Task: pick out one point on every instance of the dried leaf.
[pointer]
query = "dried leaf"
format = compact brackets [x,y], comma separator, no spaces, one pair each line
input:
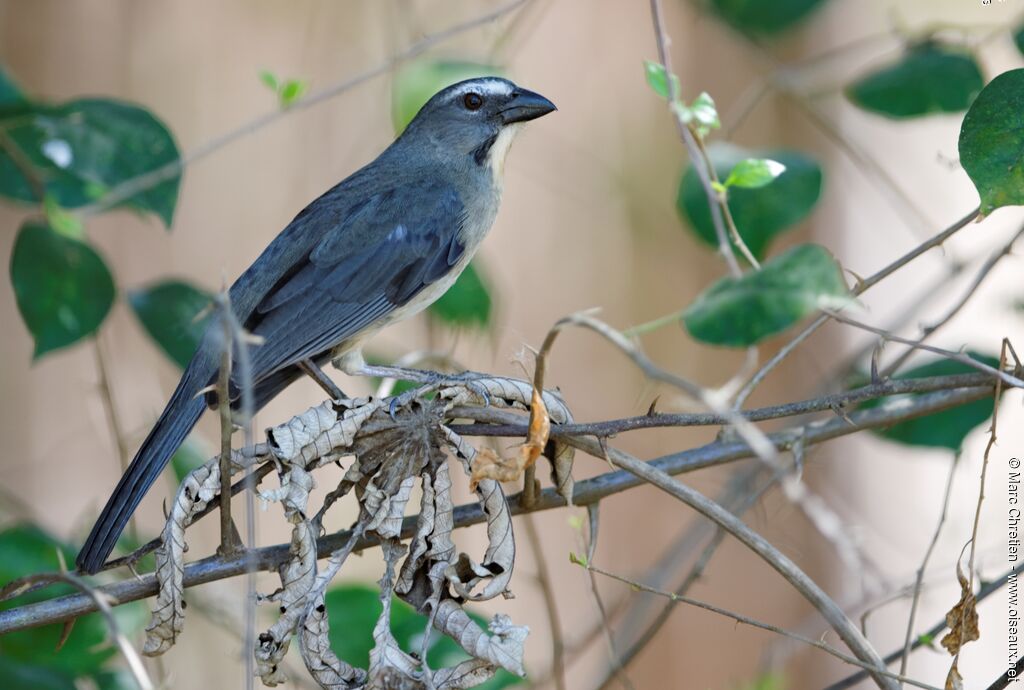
[468,674]
[962,619]
[489,465]
[319,431]
[323,664]
[506,392]
[520,395]
[432,542]
[298,578]
[503,647]
[200,487]
[954,681]
[386,657]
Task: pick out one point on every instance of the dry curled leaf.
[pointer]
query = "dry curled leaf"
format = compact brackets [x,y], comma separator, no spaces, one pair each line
[502,647]
[495,571]
[488,465]
[323,664]
[298,576]
[962,619]
[954,681]
[520,395]
[168,619]
[320,431]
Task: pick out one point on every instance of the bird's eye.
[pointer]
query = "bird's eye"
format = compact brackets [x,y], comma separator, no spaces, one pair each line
[472,101]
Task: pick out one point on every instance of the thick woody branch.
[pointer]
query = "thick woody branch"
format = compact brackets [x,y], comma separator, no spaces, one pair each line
[588,491]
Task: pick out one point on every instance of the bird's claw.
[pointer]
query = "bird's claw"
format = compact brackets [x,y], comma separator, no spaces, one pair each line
[402,399]
[468,379]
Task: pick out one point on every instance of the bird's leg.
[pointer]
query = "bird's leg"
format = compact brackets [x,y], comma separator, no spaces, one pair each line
[311,369]
[353,364]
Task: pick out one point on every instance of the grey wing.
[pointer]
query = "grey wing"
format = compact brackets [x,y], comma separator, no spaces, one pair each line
[379,258]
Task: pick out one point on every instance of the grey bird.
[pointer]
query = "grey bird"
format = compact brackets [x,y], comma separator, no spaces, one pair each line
[380,246]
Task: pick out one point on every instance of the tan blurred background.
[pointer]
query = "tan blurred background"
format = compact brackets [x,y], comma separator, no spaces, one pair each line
[588,220]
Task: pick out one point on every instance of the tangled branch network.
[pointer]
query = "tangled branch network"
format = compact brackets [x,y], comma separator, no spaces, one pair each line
[389,455]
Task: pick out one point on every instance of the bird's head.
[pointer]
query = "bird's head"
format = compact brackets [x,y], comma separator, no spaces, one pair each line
[477,118]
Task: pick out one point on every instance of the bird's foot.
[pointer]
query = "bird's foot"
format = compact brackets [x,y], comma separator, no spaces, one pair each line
[432,381]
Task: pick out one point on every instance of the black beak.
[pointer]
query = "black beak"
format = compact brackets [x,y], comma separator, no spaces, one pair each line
[524,106]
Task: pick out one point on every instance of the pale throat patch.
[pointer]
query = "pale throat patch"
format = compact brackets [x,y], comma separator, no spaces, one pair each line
[496,156]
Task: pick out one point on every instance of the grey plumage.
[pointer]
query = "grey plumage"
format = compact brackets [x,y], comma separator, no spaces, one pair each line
[379,246]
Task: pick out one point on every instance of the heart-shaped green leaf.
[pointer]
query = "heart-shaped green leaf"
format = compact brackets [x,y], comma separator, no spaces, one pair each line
[81,149]
[761,17]
[168,311]
[29,659]
[928,78]
[992,142]
[739,312]
[467,303]
[762,213]
[945,429]
[63,288]
[415,83]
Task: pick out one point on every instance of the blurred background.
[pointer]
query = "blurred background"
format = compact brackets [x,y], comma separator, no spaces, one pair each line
[589,219]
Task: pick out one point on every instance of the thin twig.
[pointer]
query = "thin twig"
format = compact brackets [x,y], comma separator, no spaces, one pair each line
[979,278]
[749,497]
[617,667]
[836,402]
[924,638]
[862,287]
[103,604]
[113,419]
[829,610]
[699,160]
[1001,376]
[588,491]
[746,620]
[919,579]
[547,589]
[228,540]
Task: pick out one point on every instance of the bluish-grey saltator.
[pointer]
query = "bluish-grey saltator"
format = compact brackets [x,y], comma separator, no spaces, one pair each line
[378,247]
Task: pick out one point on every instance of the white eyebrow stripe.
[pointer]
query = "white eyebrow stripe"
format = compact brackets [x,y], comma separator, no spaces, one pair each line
[488,87]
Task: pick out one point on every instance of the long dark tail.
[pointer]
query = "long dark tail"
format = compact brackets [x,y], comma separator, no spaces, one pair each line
[181,414]
[176,421]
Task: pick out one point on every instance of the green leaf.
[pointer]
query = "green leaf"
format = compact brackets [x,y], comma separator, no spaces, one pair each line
[761,213]
[12,100]
[467,303]
[353,610]
[655,74]
[29,658]
[761,17]
[945,429]
[190,455]
[168,311]
[418,81]
[81,149]
[1018,38]
[739,312]
[63,288]
[754,172]
[269,80]
[928,78]
[292,91]
[992,142]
